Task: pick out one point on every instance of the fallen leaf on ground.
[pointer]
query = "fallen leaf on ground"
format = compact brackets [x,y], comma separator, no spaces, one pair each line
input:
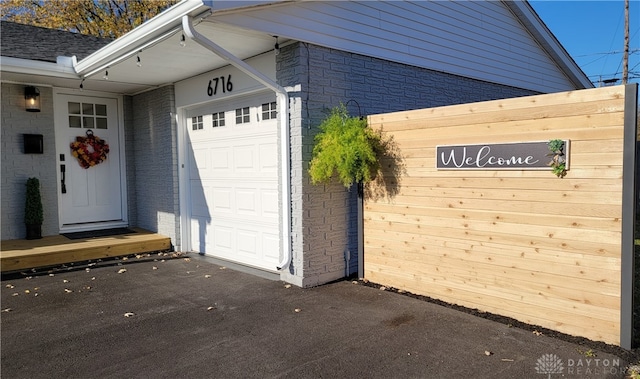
[382,288]
[87,269]
[122,270]
[65,281]
[52,274]
[154,268]
[129,314]
[67,290]
[210,308]
[537,333]
[287,286]
[401,291]
[297,310]
[93,278]
[125,258]
[487,352]
[187,259]
[15,294]
[10,286]
[354,282]
[207,276]
[27,291]
[506,360]
[6,310]
[223,268]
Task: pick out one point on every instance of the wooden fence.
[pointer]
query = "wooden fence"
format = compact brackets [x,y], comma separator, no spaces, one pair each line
[520,243]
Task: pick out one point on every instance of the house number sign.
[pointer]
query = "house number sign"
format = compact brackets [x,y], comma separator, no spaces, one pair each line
[505,156]
[221,84]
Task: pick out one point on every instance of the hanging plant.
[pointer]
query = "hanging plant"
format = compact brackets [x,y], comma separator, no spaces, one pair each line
[558,161]
[345,148]
[90,150]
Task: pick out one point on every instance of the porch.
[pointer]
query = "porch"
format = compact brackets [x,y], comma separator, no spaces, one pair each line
[55,250]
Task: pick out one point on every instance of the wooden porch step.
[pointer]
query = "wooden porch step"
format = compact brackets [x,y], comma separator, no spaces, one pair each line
[54,250]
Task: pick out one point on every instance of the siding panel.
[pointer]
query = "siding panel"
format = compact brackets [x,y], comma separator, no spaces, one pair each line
[480,40]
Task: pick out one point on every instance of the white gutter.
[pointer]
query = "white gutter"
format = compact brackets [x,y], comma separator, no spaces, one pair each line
[162,25]
[283,111]
[31,67]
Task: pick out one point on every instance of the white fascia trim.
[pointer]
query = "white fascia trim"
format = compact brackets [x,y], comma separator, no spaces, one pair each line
[532,22]
[166,21]
[31,67]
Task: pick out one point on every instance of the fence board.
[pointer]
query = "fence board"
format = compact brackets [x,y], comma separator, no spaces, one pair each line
[520,243]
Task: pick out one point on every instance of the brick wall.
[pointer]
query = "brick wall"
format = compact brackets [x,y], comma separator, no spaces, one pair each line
[17,167]
[324,218]
[155,162]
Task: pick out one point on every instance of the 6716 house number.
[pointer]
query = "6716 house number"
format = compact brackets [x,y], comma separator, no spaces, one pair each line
[222,83]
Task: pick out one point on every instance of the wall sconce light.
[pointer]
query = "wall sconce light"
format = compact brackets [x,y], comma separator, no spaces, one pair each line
[32,99]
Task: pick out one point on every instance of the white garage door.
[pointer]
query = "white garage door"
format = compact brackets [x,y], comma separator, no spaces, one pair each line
[233,181]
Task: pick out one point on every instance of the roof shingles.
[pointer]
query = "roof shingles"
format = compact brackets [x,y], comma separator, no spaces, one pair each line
[42,44]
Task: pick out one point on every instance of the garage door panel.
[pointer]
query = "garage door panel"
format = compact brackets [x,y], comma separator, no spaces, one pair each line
[247,243]
[234,178]
[270,244]
[243,158]
[221,200]
[198,201]
[198,163]
[246,201]
[223,236]
[269,203]
[268,154]
[220,159]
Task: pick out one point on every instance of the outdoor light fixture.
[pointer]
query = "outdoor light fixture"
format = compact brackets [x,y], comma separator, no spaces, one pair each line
[183,41]
[138,62]
[82,84]
[276,47]
[106,75]
[32,99]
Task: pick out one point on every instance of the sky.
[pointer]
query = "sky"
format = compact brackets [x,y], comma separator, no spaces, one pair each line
[593,34]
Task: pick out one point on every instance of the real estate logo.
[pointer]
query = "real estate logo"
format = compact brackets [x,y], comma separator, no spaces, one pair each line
[549,364]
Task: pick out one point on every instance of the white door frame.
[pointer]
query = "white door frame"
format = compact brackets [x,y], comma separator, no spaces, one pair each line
[123,173]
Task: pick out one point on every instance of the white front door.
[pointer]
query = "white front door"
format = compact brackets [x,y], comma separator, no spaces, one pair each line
[89,191]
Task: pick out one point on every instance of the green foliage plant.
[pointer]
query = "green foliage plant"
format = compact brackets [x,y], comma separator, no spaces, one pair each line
[33,214]
[345,148]
[558,162]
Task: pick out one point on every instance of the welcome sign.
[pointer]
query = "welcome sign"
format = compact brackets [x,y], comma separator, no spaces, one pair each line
[504,156]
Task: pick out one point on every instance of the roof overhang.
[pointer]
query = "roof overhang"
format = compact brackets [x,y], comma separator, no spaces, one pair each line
[152,54]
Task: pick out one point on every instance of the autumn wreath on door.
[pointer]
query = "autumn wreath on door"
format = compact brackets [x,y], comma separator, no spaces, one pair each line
[90,150]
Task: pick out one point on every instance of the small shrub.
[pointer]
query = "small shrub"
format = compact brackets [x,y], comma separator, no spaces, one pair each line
[33,214]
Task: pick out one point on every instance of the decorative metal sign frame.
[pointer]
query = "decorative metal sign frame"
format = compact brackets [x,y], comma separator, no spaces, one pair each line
[500,156]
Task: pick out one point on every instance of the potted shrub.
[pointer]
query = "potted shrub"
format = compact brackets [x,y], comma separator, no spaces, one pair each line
[345,148]
[33,214]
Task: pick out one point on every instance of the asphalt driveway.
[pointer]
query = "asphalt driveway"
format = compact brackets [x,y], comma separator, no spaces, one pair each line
[189,318]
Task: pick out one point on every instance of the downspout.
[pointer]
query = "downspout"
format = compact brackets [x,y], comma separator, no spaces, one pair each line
[283,111]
